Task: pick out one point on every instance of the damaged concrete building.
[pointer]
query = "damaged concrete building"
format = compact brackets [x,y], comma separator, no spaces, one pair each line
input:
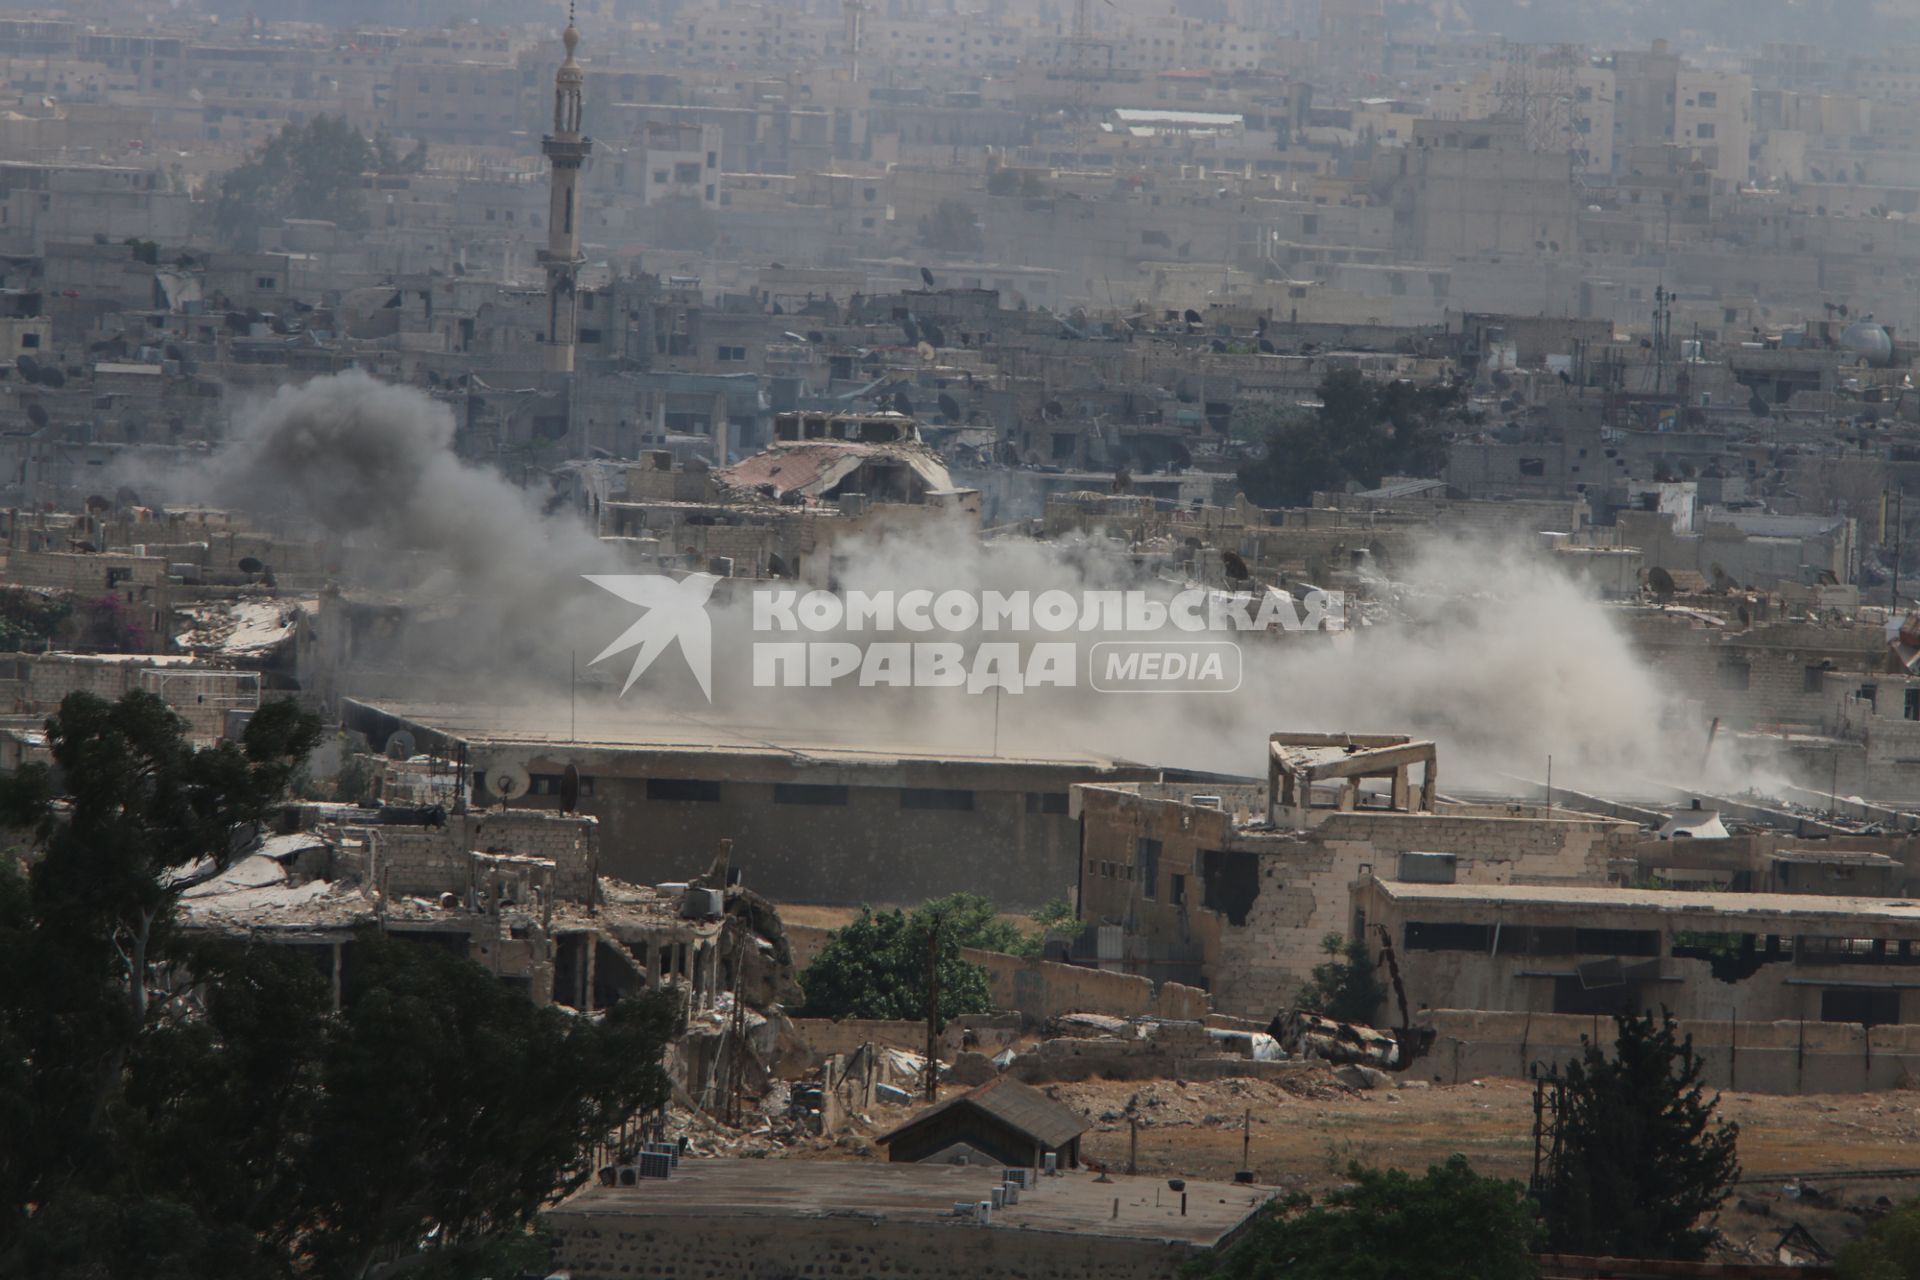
[522,895]
[1232,887]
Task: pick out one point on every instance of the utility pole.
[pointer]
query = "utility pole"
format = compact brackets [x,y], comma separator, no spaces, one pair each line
[1893,589]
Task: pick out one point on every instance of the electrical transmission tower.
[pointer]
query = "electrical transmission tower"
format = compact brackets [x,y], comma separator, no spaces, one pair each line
[1538,88]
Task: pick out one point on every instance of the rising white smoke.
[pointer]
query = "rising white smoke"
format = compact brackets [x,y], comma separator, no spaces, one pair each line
[1493,652]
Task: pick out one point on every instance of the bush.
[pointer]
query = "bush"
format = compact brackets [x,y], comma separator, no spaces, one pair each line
[1345,987]
[1451,1224]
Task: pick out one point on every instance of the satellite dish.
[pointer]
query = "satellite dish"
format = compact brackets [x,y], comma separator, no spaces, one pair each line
[926,351]
[1191,316]
[249,565]
[37,414]
[400,745]
[1219,347]
[902,404]
[1660,582]
[926,277]
[1266,348]
[949,406]
[570,789]
[1235,566]
[98,502]
[508,781]
[29,368]
[910,329]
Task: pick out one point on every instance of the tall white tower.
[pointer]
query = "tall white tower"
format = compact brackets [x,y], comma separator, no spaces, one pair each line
[566,150]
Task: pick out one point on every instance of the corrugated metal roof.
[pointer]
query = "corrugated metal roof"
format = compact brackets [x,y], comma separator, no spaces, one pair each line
[814,468]
[1018,1106]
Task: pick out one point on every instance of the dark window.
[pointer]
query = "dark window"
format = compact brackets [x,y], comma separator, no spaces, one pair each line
[1813,680]
[1868,1007]
[1533,466]
[1177,890]
[1051,802]
[682,789]
[1616,942]
[936,798]
[1146,859]
[1870,695]
[1422,936]
[1913,704]
[550,784]
[1229,882]
[589,336]
[808,793]
[1571,995]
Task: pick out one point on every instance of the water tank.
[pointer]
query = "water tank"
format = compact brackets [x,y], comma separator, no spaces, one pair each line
[1870,342]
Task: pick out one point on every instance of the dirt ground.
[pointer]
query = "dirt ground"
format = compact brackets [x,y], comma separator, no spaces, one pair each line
[1301,1134]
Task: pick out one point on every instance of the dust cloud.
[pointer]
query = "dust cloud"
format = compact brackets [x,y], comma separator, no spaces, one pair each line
[1486,647]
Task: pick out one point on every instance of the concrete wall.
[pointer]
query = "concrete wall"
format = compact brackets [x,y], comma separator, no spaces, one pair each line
[426,862]
[1253,952]
[1758,1057]
[607,1246]
[1042,989]
[869,849]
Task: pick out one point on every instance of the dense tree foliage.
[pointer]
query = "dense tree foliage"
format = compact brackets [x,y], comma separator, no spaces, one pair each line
[237,1125]
[312,170]
[30,619]
[876,967]
[1361,431]
[1641,1157]
[1890,1250]
[1451,1224]
[1346,987]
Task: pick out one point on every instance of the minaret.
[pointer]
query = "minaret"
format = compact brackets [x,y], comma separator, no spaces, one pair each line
[566,149]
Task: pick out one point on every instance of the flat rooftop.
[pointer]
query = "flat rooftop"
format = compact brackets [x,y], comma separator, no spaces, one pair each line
[853,739]
[1074,1202]
[1668,901]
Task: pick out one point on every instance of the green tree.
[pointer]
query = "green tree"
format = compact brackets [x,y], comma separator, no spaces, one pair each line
[951,228]
[876,967]
[314,170]
[236,1124]
[1346,987]
[1890,1250]
[30,619]
[1451,1224]
[1641,1157]
[1362,431]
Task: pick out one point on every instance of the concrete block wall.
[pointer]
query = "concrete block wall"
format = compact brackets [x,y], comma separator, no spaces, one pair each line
[1042,989]
[572,840]
[425,862]
[1257,968]
[1753,1057]
[82,572]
